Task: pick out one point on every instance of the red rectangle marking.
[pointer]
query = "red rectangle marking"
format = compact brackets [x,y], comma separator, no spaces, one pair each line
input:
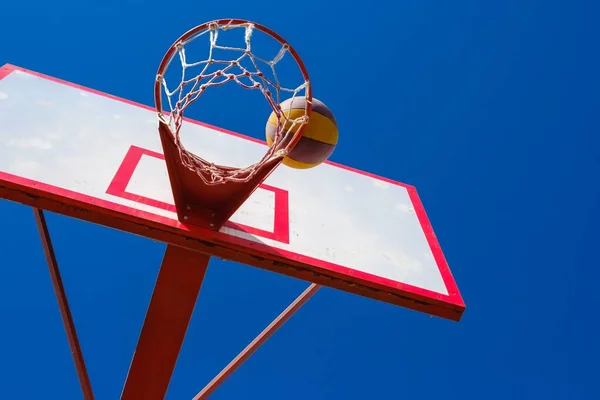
[124,174]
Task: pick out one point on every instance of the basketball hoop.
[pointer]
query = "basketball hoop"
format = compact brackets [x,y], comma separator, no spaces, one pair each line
[213,198]
[190,89]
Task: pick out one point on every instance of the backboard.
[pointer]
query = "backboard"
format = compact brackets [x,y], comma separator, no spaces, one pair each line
[74,151]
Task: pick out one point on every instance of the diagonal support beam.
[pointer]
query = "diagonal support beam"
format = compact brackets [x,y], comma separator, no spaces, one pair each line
[167,319]
[257,342]
[63,304]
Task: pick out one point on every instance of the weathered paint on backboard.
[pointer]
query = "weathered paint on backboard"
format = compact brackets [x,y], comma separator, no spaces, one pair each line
[89,155]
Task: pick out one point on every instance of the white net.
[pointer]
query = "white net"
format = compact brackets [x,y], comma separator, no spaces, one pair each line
[224,64]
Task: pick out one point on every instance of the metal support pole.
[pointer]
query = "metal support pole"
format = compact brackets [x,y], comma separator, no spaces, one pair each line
[167,319]
[257,342]
[63,305]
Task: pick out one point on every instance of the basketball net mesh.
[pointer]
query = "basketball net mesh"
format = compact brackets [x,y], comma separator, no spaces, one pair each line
[191,87]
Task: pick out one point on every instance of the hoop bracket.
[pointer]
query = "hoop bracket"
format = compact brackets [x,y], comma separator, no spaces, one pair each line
[198,203]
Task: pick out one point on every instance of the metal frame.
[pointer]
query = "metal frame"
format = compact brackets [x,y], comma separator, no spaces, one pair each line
[184,265]
[171,307]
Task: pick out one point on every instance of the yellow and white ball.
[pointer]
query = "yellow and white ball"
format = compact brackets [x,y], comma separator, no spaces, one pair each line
[318,139]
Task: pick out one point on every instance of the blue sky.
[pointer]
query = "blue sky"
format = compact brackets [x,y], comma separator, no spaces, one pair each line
[488,108]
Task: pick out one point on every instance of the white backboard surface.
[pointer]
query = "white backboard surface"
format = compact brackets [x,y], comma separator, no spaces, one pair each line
[83,147]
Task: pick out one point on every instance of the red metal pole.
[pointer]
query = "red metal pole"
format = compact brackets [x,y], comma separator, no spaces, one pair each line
[63,304]
[167,319]
[257,342]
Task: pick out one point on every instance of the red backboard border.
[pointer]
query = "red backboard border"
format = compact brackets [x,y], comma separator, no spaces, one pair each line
[76,205]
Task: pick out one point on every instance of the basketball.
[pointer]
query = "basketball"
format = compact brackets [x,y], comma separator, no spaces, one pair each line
[318,139]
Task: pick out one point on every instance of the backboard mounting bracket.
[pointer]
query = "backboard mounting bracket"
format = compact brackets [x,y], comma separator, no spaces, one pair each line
[200,204]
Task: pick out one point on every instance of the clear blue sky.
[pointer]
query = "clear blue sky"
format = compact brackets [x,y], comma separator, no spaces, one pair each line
[489,108]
